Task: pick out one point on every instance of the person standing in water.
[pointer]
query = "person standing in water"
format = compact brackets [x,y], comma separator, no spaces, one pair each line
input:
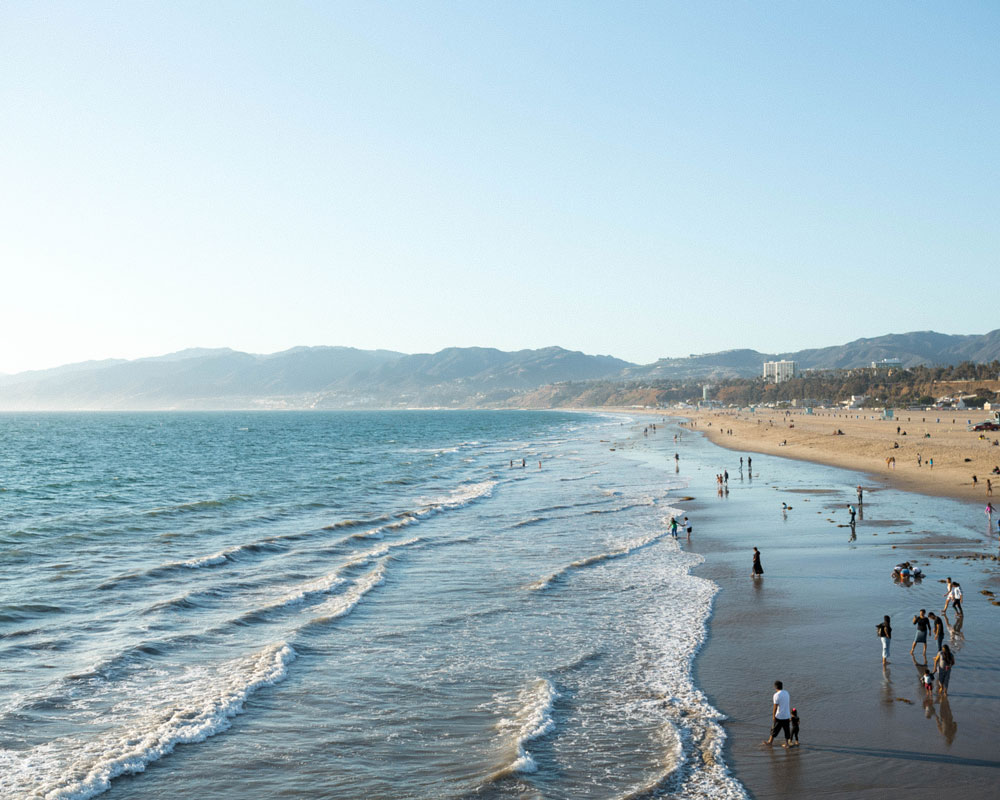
[923,625]
[781,714]
[937,629]
[884,631]
[943,662]
[758,570]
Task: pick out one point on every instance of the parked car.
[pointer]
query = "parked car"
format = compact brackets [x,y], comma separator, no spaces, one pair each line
[986,426]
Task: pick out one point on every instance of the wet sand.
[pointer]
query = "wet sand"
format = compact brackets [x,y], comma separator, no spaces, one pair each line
[810,622]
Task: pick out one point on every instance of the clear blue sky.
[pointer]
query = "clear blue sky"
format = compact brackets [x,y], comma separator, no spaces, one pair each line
[639,179]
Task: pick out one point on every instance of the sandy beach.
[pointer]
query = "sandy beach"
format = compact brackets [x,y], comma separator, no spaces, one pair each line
[868,732]
[867,441]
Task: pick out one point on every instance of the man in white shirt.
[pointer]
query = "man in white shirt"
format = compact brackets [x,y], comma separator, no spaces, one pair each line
[956,598]
[781,715]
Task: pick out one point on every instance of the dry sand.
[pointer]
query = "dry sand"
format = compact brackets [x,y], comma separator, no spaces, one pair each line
[958,453]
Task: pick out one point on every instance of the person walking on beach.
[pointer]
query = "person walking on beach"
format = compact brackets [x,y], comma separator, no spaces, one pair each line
[673,527]
[687,526]
[947,594]
[861,495]
[943,662]
[795,729]
[884,632]
[758,570]
[853,512]
[937,629]
[923,625]
[781,715]
[956,598]
[749,464]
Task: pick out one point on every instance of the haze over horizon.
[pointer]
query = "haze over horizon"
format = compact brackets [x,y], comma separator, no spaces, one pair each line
[643,182]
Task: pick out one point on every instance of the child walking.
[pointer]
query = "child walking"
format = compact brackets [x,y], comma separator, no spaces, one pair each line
[795,729]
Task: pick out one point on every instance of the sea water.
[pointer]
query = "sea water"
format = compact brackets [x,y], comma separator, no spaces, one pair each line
[347,605]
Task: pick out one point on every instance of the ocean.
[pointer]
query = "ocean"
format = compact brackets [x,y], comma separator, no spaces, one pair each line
[349,605]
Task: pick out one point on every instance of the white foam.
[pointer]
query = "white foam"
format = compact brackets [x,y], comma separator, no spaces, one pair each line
[345,603]
[694,737]
[461,495]
[532,720]
[209,560]
[456,498]
[327,583]
[589,561]
[186,708]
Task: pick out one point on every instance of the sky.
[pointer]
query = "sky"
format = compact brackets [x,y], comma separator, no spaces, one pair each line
[635,179]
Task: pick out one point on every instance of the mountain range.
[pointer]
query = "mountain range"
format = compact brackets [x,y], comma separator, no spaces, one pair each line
[344,377]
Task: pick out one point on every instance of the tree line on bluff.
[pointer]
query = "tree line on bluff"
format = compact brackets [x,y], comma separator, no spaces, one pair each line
[890,387]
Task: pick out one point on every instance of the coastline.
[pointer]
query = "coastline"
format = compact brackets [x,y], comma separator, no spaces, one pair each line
[866,443]
[870,732]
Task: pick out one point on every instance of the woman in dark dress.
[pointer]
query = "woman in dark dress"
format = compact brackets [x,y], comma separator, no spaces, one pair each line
[757,568]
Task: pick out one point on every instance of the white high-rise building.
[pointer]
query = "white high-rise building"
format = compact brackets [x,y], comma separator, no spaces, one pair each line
[780,371]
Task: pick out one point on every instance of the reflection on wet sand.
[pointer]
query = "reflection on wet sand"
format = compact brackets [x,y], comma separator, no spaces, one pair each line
[946,722]
[888,698]
[955,635]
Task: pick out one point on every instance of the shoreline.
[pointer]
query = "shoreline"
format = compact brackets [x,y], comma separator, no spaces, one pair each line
[868,729]
[867,442]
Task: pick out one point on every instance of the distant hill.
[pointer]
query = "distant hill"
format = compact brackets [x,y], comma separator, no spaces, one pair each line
[190,379]
[710,366]
[303,377]
[344,377]
[913,349]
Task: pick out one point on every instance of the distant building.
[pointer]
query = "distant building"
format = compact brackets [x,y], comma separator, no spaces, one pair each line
[780,371]
[886,363]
